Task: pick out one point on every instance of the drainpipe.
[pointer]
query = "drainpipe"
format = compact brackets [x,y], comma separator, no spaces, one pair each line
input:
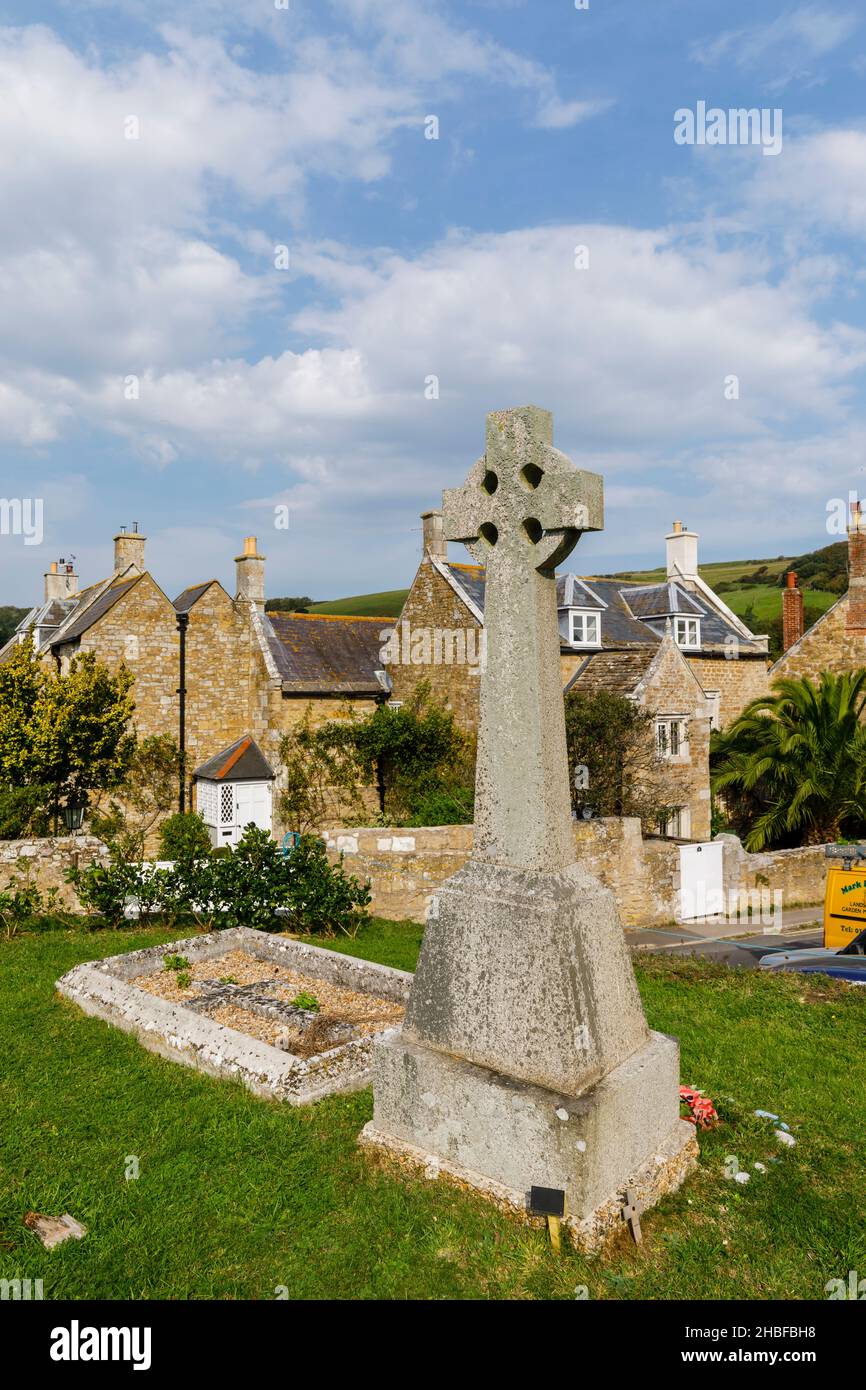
[182,625]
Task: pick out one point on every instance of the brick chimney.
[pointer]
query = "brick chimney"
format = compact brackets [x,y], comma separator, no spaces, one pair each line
[856,621]
[435,544]
[128,549]
[61,581]
[250,567]
[792,611]
[682,552]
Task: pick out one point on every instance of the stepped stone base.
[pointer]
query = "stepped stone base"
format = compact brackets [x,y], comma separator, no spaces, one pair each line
[499,1136]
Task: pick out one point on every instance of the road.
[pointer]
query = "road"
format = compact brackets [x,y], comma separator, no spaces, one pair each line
[733,944]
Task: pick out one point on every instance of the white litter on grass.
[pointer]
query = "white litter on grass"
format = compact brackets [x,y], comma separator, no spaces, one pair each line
[761,1167]
[741,1177]
[765,1115]
[785,1138]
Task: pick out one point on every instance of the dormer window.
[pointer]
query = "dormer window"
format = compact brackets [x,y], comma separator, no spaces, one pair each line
[585,629]
[687,633]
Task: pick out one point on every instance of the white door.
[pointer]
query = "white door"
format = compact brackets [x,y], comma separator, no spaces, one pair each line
[253,803]
[702,881]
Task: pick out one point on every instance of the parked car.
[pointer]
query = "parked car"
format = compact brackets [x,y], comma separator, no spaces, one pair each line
[849,963]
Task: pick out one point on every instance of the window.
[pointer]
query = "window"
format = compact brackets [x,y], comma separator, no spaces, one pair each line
[687,633]
[585,629]
[677,824]
[672,735]
[227,804]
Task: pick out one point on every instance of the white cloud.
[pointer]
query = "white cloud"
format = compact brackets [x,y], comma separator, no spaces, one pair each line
[783,46]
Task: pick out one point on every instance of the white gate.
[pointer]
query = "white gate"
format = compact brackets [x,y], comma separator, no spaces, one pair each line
[702,881]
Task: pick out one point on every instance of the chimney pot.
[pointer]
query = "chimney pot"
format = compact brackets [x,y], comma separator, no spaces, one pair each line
[682,553]
[793,624]
[856,619]
[60,582]
[435,544]
[129,549]
[250,570]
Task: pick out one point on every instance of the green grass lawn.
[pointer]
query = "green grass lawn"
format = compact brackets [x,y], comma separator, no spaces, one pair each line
[237,1196]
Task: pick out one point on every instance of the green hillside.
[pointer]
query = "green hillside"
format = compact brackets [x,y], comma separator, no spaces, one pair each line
[384,605]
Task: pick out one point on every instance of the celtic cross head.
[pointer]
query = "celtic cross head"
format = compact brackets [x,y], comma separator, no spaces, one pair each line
[523,500]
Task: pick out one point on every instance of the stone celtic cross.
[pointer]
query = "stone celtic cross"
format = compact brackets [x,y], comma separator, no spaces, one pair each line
[520,512]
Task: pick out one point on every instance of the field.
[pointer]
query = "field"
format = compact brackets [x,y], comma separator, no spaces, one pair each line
[384,605]
[240,1198]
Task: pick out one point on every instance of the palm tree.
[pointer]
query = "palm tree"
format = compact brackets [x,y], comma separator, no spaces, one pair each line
[797,758]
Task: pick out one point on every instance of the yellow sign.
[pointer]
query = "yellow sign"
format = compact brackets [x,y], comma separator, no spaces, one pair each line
[844,905]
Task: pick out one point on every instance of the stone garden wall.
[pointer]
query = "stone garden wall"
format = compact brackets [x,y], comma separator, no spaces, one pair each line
[46,861]
[406,866]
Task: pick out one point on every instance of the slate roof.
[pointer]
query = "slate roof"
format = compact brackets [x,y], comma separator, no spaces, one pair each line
[318,653]
[618,672]
[242,761]
[185,601]
[95,610]
[661,601]
[632,616]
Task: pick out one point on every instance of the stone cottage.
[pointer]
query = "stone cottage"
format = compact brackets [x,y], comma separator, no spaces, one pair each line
[672,646]
[211,669]
[837,641]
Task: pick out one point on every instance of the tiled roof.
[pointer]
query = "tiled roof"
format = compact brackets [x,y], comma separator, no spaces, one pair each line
[324,653]
[618,672]
[622,605]
[91,612]
[242,761]
[661,601]
[184,602]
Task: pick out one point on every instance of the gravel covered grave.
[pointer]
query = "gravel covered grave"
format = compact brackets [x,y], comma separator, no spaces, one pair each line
[291,1021]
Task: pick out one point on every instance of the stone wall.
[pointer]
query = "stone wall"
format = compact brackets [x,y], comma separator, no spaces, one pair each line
[45,862]
[737,680]
[827,646]
[433,606]
[406,866]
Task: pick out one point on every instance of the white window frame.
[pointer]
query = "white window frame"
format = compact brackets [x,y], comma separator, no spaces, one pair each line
[677,825]
[587,616]
[682,628]
[672,738]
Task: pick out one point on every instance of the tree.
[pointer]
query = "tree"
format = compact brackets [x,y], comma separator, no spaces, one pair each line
[417,760]
[792,766]
[82,739]
[150,787]
[613,761]
[22,682]
[288,605]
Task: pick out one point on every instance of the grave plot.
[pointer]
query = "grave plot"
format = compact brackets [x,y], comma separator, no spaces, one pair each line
[290,1021]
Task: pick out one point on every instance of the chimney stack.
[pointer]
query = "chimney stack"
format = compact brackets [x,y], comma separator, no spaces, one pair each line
[856,621]
[250,567]
[682,552]
[792,612]
[129,549]
[435,544]
[61,581]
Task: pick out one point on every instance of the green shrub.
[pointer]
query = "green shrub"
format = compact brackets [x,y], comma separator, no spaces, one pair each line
[183,837]
[243,889]
[25,811]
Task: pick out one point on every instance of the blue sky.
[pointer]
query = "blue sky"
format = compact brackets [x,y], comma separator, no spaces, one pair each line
[154,257]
